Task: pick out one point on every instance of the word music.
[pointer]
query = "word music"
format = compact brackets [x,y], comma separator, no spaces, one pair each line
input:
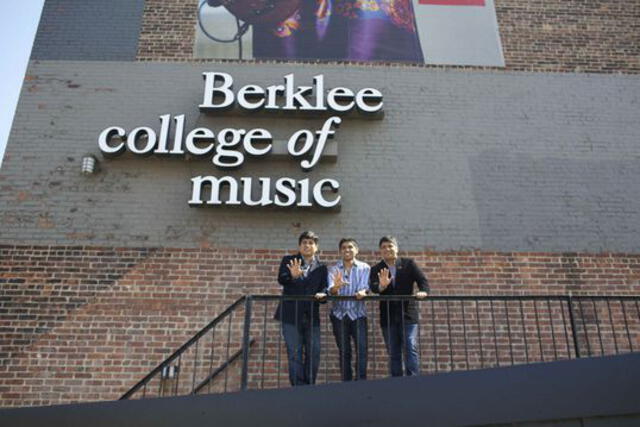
[229,147]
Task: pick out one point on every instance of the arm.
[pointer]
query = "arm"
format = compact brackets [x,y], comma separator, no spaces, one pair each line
[321,290]
[284,275]
[374,283]
[332,287]
[420,279]
[363,283]
[362,287]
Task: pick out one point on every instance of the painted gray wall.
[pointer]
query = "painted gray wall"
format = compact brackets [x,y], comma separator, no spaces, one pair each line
[88,30]
[463,159]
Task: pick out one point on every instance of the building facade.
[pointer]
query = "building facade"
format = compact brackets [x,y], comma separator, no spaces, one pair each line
[499,180]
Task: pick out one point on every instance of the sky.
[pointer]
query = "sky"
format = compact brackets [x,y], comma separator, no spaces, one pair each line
[17,32]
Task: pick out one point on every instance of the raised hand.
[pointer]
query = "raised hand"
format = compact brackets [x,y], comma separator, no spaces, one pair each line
[384,277]
[338,279]
[295,268]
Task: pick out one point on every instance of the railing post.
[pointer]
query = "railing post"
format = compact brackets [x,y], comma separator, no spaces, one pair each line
[246,342]
[574,334]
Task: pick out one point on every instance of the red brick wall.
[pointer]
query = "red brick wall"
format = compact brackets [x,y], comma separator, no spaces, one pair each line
[598,36]
[601,36]
[86,323]
[168,30]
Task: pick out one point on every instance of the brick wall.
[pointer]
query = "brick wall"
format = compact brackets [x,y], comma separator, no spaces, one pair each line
[168,30]
[600,36]
[86,323]
[562,35]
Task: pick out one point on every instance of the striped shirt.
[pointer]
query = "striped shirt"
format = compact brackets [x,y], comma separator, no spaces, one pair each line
[357,279]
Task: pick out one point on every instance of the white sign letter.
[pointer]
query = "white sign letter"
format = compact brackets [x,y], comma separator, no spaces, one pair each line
[210,91]
[105,138]
[319,198]
[323,134]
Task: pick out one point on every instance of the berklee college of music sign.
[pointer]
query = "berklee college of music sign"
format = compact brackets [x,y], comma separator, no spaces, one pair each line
[228,147]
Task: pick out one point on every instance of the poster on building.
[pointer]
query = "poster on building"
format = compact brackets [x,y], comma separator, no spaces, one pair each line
[447,32]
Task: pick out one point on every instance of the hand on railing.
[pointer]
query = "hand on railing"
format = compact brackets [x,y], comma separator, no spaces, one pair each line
[421,295]
[320,296]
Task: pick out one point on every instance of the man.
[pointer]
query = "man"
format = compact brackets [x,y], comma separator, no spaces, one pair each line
[398,319]
[349,318]
[302,274]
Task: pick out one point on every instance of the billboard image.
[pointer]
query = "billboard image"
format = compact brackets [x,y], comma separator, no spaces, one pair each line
[448,32]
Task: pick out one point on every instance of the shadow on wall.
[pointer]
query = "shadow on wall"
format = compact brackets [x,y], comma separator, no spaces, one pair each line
[529,203]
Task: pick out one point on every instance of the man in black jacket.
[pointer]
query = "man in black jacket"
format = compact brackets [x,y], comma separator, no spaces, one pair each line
[398,319]
[302,274]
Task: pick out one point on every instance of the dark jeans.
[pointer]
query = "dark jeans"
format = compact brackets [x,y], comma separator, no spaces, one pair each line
[393,339]
[343,330]
[303,351]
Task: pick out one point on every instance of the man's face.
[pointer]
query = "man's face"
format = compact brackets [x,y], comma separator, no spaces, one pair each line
[388,250]
[308,248]
[348,251]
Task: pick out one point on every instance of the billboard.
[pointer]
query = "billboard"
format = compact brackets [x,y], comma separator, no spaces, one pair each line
[448,32]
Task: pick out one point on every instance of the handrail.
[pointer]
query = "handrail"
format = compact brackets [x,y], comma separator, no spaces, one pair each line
[573,333]
[220,369]
[443,297]
[183,348]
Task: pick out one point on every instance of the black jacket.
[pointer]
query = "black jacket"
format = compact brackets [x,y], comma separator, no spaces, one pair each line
[407,273]
[296,312]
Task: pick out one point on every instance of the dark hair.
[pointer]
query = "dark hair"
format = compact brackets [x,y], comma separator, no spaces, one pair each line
[389,239]
[308,235]
[348,239]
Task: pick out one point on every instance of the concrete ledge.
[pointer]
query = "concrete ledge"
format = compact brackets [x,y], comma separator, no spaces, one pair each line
[604,387]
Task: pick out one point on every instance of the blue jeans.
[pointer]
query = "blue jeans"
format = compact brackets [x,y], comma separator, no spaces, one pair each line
[344,330]
[393,339]
[303,351]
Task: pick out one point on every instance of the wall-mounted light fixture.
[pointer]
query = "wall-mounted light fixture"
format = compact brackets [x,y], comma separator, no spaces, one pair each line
[89,164]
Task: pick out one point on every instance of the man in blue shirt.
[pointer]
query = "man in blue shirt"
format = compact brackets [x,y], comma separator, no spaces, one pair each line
[350,277]
[302,275]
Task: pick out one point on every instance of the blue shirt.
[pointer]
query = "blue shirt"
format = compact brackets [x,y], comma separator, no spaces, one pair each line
[392,272]
[357,280]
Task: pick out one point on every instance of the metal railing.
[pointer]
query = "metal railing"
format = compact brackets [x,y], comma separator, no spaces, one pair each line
[243,347]
[167,374]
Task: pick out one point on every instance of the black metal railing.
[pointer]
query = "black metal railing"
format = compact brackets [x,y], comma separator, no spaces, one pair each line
[164,379]
[243,347]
